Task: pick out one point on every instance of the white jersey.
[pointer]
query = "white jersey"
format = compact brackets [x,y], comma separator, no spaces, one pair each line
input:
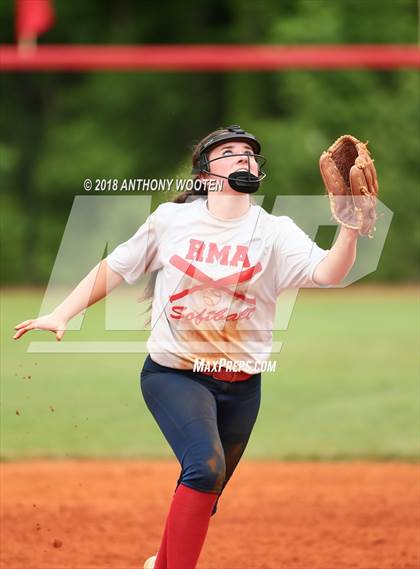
[217,280]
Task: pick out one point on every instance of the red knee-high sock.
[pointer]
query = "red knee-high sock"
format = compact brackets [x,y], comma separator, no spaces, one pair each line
[161,561]
[186,528]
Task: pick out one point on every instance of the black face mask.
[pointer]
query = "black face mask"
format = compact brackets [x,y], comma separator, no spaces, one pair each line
[242,181]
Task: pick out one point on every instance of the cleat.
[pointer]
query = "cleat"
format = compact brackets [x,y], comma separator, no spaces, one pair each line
[150,563]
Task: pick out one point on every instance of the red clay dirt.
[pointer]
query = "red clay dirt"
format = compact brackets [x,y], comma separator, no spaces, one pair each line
[104,514]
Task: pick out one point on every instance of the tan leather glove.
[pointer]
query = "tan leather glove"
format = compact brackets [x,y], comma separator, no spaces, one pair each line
[351,183]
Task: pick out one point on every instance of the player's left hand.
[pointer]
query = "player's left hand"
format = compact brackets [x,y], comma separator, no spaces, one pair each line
[351,183]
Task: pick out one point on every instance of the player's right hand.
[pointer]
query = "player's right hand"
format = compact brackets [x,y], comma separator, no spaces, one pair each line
[52,322]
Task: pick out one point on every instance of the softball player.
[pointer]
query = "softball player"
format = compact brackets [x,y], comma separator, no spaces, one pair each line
[218,263]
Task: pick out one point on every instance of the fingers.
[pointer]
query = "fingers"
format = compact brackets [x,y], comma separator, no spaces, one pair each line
[59,335]
[18,334]
[22,324]
[23,331]
[24,327]
[39,324]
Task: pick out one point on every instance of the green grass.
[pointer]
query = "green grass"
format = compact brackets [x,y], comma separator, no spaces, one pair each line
[346,385]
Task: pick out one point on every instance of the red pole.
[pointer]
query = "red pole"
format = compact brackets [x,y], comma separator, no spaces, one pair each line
[33,17]
[208,57]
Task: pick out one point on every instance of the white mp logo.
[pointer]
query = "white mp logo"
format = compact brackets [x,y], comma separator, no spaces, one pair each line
[97,224]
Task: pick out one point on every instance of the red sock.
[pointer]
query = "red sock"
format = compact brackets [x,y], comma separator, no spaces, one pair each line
[161,561]
[186,528]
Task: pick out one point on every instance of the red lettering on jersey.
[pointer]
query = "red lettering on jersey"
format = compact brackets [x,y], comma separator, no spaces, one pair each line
[210,253]
[205,315]
[178,310]
[241,255]
[214,254]
[195,252]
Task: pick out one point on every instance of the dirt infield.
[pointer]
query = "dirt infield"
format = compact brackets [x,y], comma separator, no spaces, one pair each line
[103,514]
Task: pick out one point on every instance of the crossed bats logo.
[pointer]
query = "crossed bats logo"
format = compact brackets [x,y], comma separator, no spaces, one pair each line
[206,281]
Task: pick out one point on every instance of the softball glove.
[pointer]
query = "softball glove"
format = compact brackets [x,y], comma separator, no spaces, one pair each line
[351,183]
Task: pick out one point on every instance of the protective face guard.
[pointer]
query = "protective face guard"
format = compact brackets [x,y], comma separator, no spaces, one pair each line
[241,181]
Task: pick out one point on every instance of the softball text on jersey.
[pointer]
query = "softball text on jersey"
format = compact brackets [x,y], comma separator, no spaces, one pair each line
[217,280]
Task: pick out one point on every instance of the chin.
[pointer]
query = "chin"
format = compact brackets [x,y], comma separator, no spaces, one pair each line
[228,191]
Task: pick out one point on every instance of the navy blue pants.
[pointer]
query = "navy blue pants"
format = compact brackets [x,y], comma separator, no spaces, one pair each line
[207,422]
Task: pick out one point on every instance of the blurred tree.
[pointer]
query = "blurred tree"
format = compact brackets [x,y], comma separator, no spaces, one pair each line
[59,128]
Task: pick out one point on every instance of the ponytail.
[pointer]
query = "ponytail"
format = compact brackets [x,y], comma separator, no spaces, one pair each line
[183,197]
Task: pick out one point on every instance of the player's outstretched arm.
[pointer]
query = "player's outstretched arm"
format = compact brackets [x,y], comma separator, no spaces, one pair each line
[337,264]
[96,285]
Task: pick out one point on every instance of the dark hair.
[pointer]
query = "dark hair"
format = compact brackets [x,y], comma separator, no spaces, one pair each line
[182,197]
[202,191]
